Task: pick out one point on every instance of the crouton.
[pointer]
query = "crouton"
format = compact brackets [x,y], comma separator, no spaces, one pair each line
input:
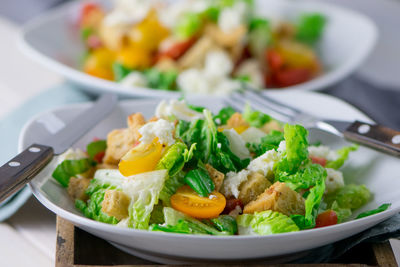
[272,125]
[194,57]
[255,185]
[115,204]
[113,37]
[224,39]
[279,197]
[236,121]
[216,176]
[106,166]
[119,142]
[135,121]
[77,187]
[166,64]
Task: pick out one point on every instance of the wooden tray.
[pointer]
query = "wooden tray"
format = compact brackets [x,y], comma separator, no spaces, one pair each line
[78,248]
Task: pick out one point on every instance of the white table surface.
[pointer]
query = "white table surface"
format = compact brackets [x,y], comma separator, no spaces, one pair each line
[28,237]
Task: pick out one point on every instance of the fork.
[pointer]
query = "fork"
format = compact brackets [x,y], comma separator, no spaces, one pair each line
[372,135]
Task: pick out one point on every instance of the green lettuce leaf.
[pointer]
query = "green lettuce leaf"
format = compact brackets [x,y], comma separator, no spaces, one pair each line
[164,80]
[305,177]
[310,28]
[171,185]
[225,223]
[223,116]
[260,36]
[188,25]
[174,159]
[381,208]
[268,142]
[343,155]
[312,203]
[342,213]
[254,117]
[265,223]
[69,168]
[350,196]
[120,71]
[96,147]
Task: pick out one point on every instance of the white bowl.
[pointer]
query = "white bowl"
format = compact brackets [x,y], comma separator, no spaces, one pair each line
[348,39]
[379,172]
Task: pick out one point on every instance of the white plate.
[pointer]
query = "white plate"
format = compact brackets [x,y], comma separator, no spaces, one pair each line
[348,39]
[379,172]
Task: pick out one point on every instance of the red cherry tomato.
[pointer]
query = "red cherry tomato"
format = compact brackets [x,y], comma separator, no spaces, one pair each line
[318,160]
[326,218]
[99,157]
[231,204]
[289,77]
[175,51]
[274,60]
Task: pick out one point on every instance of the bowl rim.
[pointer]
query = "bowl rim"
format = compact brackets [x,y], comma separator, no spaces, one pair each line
[319,83]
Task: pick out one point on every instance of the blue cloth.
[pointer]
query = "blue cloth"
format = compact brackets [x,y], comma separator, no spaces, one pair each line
[12,123]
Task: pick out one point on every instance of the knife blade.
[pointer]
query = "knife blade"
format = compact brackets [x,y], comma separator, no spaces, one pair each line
[22,168]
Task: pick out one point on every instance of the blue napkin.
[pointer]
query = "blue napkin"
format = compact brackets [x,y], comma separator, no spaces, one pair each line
[12,123]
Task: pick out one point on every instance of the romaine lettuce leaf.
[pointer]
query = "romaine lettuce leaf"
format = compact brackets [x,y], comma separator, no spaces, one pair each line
[254,117]
[312,203]
[69,168]
[305,177]
[174,159]
[268,142]
[343,155]
[265,223]
[170,186]
[350,196]
[381,208]
[223,115]
[188,25]
[310,28]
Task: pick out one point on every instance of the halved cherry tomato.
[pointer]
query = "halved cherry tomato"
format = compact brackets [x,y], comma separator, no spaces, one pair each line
[99,157]
[189,202]
[289,77]
[90,14]
[141,158]
[274,60]
[231,204]
[318,160]
[175,51]
[240,129]
[326,218]
[99,63]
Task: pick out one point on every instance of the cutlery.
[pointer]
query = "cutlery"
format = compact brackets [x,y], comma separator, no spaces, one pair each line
[22,168]
[372,135]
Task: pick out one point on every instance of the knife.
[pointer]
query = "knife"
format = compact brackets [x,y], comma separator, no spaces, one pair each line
[22,168]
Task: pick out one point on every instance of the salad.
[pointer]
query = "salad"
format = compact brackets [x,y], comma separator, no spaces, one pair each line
[189,171]
[199,46]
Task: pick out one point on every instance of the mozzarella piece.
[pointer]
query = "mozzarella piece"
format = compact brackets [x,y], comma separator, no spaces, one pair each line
[232,17]
[334,180]
[236,144]
[178,110]
[264,164]
[322,152]
[233,181]
[161,129]
[134,79]
[127,12]
[252,135]
[218,64]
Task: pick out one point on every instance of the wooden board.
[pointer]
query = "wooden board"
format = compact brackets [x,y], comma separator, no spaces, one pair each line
[77,248]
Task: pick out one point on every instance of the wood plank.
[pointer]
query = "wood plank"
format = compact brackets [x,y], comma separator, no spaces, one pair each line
[384,254]
[64,243]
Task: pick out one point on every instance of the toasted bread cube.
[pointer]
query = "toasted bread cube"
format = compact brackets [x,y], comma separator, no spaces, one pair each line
[224,39]
[119,142]
[272,125]
[194,57]
[77,187]
[216,176]
[279,197]
[135,121]
[115,204]
[254,186]
[236,120]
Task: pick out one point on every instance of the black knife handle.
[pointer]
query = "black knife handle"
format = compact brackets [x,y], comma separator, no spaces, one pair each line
[22,168]
[375,136]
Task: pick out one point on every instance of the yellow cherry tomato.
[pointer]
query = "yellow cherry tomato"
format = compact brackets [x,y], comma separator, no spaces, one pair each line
[186,200]
[240,129]
[298,55]
[135,57]
[149,33]
[99,63]
[141,158]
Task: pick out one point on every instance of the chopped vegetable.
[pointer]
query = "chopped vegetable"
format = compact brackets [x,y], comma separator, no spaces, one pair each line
[189,202]
[254,117]
[200,181]
[69,168]
[265,223]
[174,159]
[96,147]
[310,28]
[381,208]
[225,223]
[350,196]
[171,186]
[343,155]
[161,80]
[223,115]
[268,142]
[120,71]
[188,25]
[326,218]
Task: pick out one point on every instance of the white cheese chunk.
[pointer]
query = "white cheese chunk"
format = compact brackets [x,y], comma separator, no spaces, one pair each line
[134,79]
[178,109]
[322,152]
[161,129]
[334,180]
